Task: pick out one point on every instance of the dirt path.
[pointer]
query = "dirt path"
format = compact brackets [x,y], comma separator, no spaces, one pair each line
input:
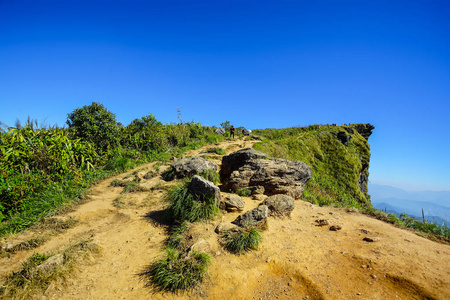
[296,260]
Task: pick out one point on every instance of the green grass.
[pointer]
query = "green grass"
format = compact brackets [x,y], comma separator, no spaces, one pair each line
[176,239]
[133,187]
[150,174]
[118,183]
[177,271]
[244,192]
[216,150]
[55,198]
[183,206]
[336,168]
[211,175]
[242,240]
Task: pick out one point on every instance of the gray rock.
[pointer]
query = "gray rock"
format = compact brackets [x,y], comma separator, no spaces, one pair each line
[279,205]
[200,246]
[254,218]
[222,227]
[277,176]
[237,159]
[192,165]
[220,131]
[343,137]
[49,265]
[232,203]
[204,189]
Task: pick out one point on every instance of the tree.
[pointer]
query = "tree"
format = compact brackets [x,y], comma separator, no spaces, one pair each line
[96,124]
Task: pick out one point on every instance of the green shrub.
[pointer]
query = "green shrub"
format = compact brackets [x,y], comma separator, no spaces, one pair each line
[242,240]
[185,207]
[178,271]
[94,123]
[244,192]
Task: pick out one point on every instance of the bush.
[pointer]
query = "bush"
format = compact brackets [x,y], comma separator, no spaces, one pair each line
[94,123]
[185,207]
[177,271]
[240,241]
[244,192]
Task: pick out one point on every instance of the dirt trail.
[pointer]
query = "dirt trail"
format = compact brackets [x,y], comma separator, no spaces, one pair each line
[296,260]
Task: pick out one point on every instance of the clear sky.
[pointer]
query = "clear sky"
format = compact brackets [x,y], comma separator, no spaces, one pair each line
[258,64]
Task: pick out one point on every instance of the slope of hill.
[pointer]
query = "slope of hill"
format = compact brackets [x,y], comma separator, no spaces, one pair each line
[366,259]
[338,155]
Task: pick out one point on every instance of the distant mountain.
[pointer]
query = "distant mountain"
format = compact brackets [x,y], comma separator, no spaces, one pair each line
[436,205]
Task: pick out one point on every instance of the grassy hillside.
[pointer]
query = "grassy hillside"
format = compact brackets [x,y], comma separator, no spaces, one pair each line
[338,155]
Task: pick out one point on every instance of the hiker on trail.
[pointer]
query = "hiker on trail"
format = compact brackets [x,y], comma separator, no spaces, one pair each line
[232,131]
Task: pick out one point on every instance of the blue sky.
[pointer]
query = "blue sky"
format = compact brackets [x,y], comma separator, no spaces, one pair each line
[258,64]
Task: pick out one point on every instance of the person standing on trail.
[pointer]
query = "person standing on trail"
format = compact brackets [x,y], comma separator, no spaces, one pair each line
[232,131]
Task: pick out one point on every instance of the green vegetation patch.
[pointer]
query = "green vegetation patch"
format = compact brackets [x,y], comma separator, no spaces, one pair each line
[183,206]
[211,175]
[244,192]
[241,240]
[216,150]
[178,271]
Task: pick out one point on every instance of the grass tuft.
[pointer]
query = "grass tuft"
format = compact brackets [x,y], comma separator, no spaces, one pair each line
[178,271]
[184,207]
[118,183]
[211,175]
[243,240]
[216,150]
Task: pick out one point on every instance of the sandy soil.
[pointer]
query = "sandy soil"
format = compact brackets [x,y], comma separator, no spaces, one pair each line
[296,260]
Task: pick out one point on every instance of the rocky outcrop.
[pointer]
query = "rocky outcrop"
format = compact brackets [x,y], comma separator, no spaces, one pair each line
[232,203]
[364,129]
[255,218]
[192,166]
[279,205]
[235,160]
[220,130]
[203,189]
[273,176]
[344,137]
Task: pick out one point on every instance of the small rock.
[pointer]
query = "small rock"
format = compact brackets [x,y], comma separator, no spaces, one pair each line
[373,276]
[370,239]
[335,227]
[322,222]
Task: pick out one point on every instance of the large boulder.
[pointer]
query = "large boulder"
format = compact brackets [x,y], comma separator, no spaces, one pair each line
[256,218]
[191,166]
[203,189]
[238,159]
[279,205]
[220,130]
[277,176]
[232,203]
